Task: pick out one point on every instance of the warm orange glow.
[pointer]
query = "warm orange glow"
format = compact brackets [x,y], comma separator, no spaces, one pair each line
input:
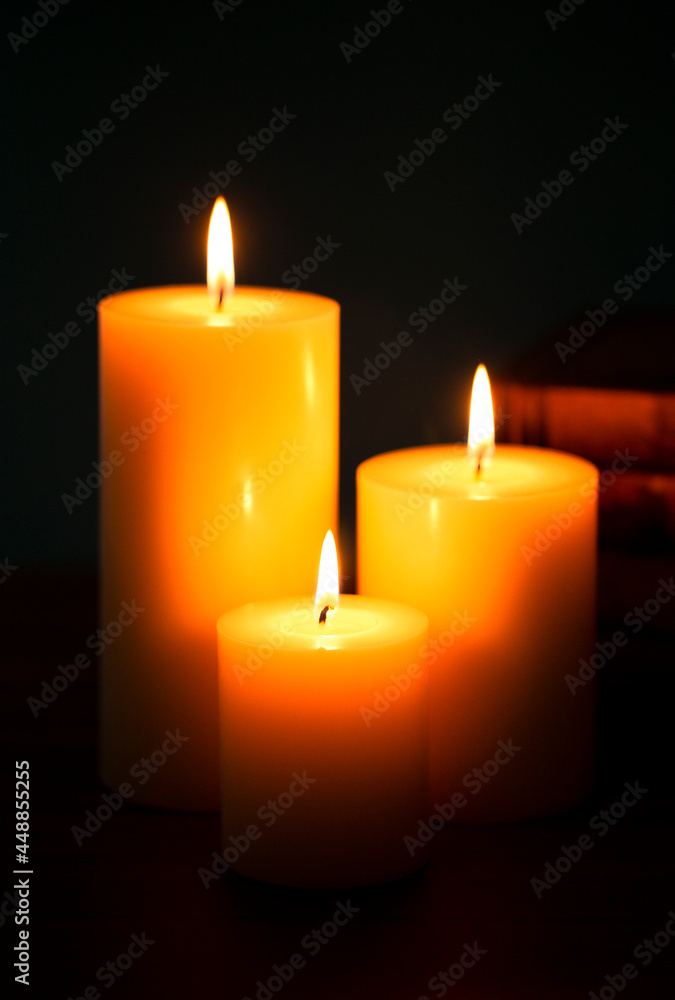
[328,583]
[220,256]
[481,444]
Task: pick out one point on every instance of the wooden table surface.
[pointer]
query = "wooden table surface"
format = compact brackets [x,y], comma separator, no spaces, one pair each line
[138,875]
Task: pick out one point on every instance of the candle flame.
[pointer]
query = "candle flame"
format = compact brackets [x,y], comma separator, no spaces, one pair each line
[220,256]
[481,444]
[328,583]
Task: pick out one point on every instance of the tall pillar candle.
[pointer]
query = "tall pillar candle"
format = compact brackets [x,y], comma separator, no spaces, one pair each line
[219,437]
[503,562]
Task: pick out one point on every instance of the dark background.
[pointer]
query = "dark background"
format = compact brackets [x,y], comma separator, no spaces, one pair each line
[322,176]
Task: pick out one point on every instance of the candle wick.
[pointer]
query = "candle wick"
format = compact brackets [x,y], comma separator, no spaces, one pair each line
[221,295]
[479,462]
[324,612]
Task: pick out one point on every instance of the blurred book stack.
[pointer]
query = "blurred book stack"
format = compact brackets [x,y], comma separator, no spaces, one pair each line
[609,397]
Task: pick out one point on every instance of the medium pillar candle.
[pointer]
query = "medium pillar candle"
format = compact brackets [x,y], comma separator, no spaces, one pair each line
[504,565]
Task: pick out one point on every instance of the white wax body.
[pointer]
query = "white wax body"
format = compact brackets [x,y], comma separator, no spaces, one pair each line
[292,701]
[504,565]
[221,430]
